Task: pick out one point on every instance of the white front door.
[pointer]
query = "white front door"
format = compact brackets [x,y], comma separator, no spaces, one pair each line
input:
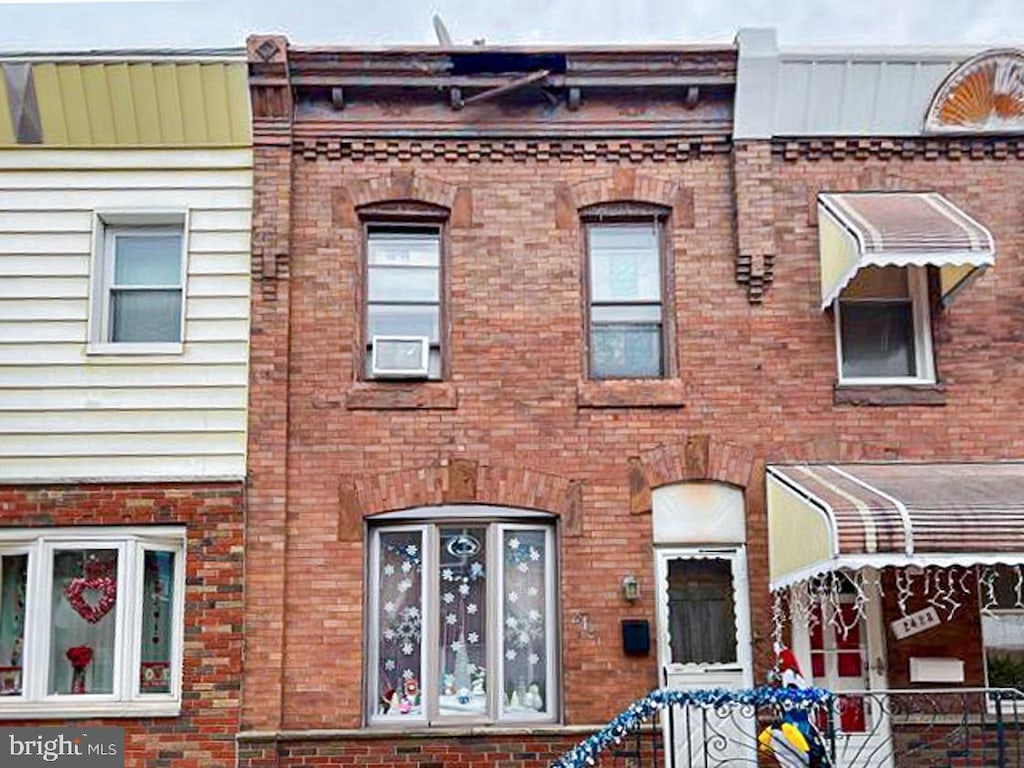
[845,653]
[703,627]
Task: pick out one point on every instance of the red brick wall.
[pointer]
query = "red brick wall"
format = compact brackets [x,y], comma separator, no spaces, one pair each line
[212,513]
[522,751]
[758,377]
[958,638]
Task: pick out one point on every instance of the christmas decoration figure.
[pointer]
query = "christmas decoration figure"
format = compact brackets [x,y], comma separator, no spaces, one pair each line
[792,739]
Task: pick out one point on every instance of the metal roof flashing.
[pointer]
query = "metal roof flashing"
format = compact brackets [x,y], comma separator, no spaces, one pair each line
[849,91]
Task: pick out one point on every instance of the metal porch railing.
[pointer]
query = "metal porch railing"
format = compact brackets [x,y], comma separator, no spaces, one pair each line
[933,728]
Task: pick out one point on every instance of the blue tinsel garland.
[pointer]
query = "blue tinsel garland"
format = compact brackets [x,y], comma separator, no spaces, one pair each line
[640,711]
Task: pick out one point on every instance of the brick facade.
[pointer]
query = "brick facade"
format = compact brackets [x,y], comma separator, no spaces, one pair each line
[517,424]
[212,514]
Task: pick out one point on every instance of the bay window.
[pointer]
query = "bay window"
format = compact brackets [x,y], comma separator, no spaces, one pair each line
[91,621]
[462,623]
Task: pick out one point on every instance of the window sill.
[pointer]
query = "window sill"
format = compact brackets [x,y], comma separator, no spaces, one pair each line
[156,348]
[630,393]
[422,732]
[402,396]
[49,710]
[882,395]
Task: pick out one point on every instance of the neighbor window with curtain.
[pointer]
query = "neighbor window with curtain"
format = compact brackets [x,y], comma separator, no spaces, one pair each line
[883,329]
[143,286]
[91,621]
[626,309]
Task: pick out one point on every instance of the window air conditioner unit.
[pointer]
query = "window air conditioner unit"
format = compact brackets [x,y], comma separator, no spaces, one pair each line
[400,357]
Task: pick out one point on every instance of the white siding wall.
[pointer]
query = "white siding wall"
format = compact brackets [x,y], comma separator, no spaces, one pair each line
[69,415]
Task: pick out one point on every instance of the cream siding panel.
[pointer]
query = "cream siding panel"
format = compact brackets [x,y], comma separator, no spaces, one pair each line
[13,332]
[120,199]
[117,444]
[75,354]
[44,243]
[48,222]
[118,467]
[66,414]
[139,159]
[44,287]
[96,422]
[130,399]
[214,263]
[217,308]
[18,308]
[57,266]
[125,179]
[128,374]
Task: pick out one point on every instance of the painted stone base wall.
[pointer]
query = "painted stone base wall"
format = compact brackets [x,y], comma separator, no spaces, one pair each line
[203,736]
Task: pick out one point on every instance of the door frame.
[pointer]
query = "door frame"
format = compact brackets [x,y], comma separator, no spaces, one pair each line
[736,556]
[877,742]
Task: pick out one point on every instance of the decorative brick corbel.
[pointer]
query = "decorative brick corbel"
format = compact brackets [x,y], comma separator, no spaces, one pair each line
[755,217]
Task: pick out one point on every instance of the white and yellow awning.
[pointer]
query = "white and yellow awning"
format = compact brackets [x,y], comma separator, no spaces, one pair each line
[844,517]
[901,229]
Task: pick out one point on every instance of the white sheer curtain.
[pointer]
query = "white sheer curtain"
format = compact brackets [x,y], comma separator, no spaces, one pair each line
[70,630]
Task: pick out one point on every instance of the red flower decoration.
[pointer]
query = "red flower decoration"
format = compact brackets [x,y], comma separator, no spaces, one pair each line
[105,585]
[79,656]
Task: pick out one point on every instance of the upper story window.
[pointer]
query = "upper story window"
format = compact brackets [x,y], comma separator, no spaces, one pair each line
[883,328]
[139,285]
[462,622]
[626,284]
[404,308]
[91,622]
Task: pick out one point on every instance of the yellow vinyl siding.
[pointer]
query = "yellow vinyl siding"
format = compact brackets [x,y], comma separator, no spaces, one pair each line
[138,104]
[6,127]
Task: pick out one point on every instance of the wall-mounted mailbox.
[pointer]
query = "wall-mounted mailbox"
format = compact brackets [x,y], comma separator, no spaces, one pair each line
[636,637]
[936,670]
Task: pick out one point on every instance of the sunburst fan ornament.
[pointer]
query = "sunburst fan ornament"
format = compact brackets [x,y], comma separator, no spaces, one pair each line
[985,94]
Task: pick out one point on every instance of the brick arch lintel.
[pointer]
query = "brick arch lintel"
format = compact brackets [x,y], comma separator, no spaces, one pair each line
[622,185]
[402,184]
[698,457]
[458,481]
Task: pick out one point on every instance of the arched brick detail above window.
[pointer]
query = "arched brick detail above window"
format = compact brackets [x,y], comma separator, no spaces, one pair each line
[624,184]
[697,457]
[399,185]
[458,481]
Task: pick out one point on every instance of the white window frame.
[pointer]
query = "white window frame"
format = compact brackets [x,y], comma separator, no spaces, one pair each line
[126,700]
[659,224]
[374,227]
[430,597]
[924,360]
[107,226]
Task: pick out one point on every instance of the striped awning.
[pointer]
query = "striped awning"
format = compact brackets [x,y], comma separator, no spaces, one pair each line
[824,517]
[901,229]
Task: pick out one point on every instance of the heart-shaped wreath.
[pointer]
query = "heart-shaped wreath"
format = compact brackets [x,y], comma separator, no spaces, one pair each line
[105,585]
